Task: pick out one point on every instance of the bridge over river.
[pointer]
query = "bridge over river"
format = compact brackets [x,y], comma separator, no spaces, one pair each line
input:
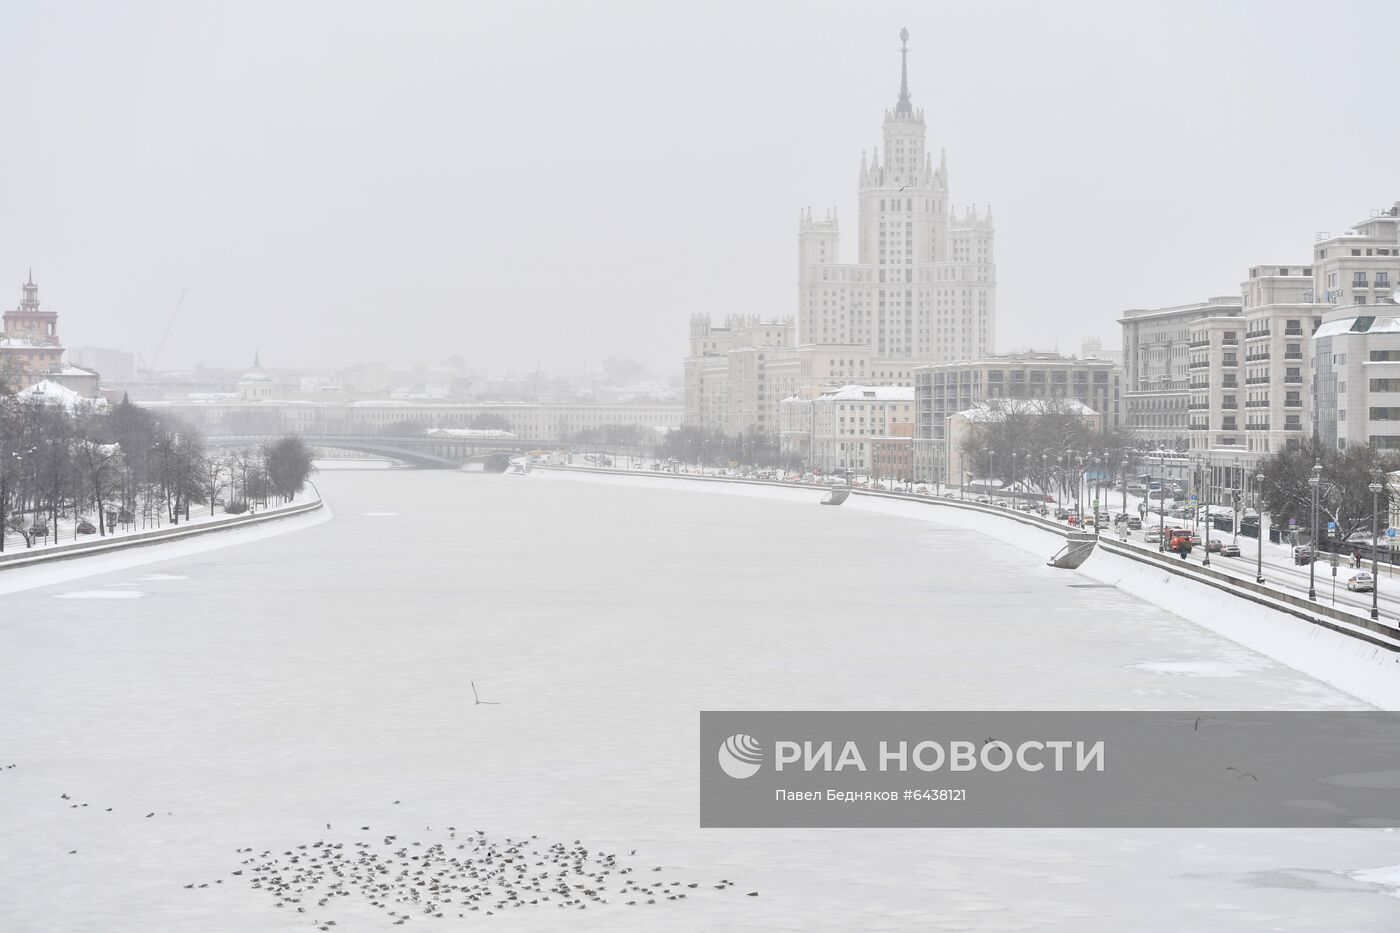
[424,451]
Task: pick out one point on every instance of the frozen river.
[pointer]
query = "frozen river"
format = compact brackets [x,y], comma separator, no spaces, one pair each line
[172,725]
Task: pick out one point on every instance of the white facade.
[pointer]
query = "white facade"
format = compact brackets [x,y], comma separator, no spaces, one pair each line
[737,373]
[839,430]
[924,283]
[1250,373]
[1156,367]
[1356,349]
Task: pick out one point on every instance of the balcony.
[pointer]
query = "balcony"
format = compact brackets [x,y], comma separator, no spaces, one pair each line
[1199,384]
[1257,404]
[1258,333]
[1255,357]
[1229,405]
[1230,342]
[1231,361]
[1293,332]
[1292,380]
[1359,283]
[1256,380]
[1293,356]
[1229,383]
[1197,344]
[1292,403]
[1292,426]
[1196,406]
[1258,426]
[1198,364]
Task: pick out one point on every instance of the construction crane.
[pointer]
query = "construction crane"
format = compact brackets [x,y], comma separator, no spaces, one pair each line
[151,366]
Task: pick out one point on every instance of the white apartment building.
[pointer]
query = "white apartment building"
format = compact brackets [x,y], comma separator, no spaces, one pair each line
[923,286]
[943,389]
[1356,349]
[841,429]
[737,373]
[1156,367]
[1250,373]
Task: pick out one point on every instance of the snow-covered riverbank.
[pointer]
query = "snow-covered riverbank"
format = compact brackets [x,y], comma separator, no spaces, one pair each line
[320,690]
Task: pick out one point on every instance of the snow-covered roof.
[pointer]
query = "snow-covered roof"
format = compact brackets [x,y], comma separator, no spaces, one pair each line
[470,432]
[1387,324]
[51,393]
[1029,406]
[859,393]
[255,376]
[71,370]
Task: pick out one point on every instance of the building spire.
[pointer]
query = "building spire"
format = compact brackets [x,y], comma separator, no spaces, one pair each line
[904,106]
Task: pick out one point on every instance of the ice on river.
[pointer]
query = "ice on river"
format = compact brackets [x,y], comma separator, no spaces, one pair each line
[163,760]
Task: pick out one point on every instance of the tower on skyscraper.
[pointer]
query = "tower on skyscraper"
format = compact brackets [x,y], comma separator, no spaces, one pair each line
[923,286]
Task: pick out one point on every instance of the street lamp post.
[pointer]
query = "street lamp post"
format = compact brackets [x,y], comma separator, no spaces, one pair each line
[1011,503]
[1123,478]
[1259,529]
[1095,501]
[1314,481]
[987,475]
[1205,561]
[1375,488]
[1077,464]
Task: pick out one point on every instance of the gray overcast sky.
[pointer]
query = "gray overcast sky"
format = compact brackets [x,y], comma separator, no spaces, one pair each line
[559,182]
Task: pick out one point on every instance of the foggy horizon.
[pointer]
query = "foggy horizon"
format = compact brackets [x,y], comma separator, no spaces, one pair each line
[553,185]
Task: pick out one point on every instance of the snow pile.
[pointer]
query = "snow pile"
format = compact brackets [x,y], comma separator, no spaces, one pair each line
[1387,877]
[1358,667]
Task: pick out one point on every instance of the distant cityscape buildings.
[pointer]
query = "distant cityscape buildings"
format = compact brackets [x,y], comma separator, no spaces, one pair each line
[1306,349]
[923,290]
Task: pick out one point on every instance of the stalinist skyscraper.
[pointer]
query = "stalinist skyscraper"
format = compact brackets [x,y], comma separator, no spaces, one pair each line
[924,284]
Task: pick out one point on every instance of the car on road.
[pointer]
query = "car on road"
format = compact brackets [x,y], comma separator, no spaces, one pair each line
[1061,514]
[1303,554]
[984,500]
[1152,535]
[1215,546]
[1361,582]
[1134,524]
[1230,550]
[86,527]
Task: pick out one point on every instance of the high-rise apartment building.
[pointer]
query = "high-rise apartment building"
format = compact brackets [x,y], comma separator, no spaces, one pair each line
[1356,348]
[923,286]
[1250,372]
[1156,367]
